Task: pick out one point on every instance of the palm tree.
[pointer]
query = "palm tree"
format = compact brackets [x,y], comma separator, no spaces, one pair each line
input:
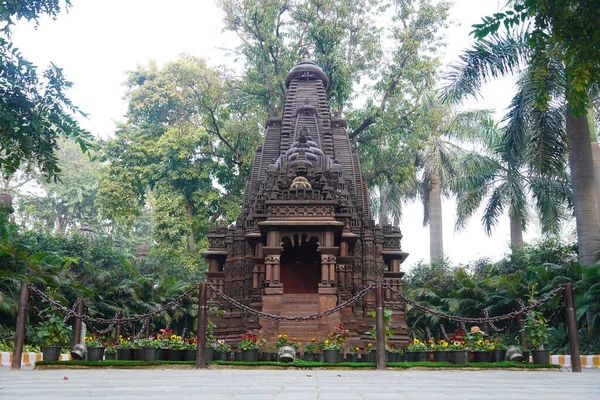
[504,54]
[438,161]
[506,181]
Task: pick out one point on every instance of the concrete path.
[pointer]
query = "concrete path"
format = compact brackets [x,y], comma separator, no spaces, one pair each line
[292,385]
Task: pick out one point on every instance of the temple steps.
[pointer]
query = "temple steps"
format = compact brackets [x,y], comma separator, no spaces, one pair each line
[301,305]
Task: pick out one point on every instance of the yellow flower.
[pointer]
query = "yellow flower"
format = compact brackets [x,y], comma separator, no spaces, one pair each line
[445,344]
[313,340]
[279,336]
[326,341]
[357,349]
[416,341]
[294,339]
[480,342]
[173,337]
[370,345]
[285,336]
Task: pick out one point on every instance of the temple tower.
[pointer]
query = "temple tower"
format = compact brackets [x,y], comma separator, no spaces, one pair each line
[305,240]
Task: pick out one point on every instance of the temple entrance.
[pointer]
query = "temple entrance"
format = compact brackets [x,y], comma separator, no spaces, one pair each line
[300,264]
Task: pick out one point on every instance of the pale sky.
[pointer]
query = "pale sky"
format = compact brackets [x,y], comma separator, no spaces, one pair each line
[98,40]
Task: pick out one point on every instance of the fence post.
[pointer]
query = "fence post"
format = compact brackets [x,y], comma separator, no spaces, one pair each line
[77,323]
[485,326]
[520,323]
[572,328]
[20,328]
[148,322]
[118,324]
[202,320]
[380,327]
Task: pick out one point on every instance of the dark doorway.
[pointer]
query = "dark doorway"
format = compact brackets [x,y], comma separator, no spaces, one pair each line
[300,264]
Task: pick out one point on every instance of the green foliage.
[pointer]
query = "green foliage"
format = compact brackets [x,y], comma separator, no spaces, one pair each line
[536,329]
[34,111]
[557,29]
[52,331]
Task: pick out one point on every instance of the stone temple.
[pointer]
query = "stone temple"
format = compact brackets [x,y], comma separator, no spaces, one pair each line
[305,241]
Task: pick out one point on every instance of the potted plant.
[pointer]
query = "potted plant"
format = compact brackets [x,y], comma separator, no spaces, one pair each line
[352,356]
[440,351]
[499,351]
[334,344]
[249,345]
[310,350]
[95,349]
[191,350]
[536,334]
[52,334]
[150,348]
[176,348]
[137,351]
[458,348]
[368,356]
[418,350]
[458,352]
[124,350]
[480,345]
[388,332]
[110,352]
[395,353]
[221,350]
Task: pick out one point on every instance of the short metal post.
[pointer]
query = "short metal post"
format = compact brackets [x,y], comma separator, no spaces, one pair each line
[118,325]
[380,328]
[202,320]
[77,323]
[20,328]
[572,328]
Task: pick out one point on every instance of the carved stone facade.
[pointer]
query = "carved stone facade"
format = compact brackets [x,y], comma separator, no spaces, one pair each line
[305,240]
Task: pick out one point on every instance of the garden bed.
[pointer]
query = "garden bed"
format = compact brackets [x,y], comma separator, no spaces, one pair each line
[80,364]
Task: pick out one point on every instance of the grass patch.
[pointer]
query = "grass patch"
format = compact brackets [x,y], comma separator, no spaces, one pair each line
[302,364]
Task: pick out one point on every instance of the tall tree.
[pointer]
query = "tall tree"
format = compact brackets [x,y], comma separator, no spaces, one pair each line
[34,109]
[439,159]
[184,152]
[65,205]
[346,38]
[501,178]
[542,31]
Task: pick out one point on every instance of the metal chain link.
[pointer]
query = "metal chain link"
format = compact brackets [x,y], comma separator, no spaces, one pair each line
[492,325]
[72,309]
[511,315]
[274,317]
[88,320]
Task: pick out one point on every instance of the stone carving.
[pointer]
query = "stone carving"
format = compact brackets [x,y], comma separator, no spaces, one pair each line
[306,192]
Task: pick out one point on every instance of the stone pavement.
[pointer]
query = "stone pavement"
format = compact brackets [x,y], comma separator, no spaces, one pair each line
[298,384]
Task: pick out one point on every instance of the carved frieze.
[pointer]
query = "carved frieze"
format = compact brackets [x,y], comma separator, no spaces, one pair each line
[300,211]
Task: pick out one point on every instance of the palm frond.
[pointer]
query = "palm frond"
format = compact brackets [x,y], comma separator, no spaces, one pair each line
[486,59]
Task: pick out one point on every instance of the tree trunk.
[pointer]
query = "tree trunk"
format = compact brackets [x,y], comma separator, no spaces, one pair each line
[191,239]
[584,188]
[436,240]
[596,157]
[516,232]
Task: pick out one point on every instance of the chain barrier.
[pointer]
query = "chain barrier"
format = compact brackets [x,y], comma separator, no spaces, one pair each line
[492,325]
[523,310]
[274,317]
[88,320]
[72,309]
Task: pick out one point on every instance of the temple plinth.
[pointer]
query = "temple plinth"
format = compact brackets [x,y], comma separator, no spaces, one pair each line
[305,240]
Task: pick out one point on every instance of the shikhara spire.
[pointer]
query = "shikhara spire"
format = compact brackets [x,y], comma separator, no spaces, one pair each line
[304,240]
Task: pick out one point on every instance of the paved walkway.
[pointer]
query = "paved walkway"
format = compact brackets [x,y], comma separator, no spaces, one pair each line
[292,385]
